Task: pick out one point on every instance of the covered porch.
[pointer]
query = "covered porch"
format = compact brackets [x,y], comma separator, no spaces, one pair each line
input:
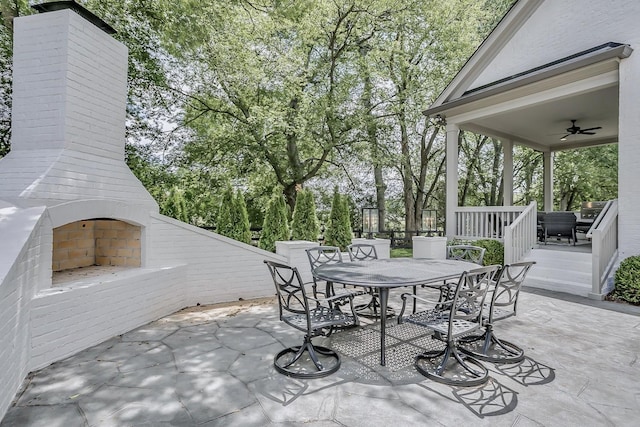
[572,102]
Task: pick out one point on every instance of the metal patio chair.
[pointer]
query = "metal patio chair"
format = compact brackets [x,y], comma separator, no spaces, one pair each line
[364,252]
[503,304]
[315,317]
[321,255]
[469,253]
[450,320]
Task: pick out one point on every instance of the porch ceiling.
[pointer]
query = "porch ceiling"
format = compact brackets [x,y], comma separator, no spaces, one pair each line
[542,125]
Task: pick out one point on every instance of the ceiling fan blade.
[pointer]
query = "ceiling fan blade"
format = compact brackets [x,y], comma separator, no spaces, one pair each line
[588,129]
[565,137]
[587,133]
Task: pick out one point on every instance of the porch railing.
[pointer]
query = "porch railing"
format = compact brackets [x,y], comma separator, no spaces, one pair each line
[485,222]
[520,236]
[604,246]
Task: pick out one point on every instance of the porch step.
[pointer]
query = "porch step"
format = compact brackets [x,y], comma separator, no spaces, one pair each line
[560,271]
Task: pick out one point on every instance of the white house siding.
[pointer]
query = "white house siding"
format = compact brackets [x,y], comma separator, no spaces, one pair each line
[220,269]
[561,28]
[25,260]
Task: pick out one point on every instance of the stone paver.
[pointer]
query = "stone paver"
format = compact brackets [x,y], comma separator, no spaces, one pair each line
[213,366]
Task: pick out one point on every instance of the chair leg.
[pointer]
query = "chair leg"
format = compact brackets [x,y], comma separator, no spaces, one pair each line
[372,308]
[489,348]
[459,370]
[291,362]
[415,292]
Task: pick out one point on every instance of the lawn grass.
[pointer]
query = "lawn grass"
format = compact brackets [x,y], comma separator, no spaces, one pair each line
[401,253]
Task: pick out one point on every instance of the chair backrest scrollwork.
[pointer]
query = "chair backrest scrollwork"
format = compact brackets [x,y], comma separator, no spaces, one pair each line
[504,301]
[469,253]
[469,296]
[292,297]
[321,255]
[362,252]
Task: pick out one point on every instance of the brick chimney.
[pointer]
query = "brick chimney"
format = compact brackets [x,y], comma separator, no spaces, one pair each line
[69,112]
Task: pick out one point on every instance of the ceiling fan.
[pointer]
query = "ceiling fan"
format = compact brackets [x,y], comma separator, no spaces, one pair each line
[576,130]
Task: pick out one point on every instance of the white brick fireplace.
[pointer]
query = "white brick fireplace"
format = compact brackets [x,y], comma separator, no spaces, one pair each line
[69,201]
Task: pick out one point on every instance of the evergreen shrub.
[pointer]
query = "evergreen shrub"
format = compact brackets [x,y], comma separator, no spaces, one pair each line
[339,231]
[627,280]
[175,205]
[494,253]
[276,223]
[305,225]
[233,220]
[242,229]
[224,220]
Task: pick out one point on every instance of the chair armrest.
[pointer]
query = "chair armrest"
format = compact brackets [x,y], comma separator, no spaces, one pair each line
[332,298]
[404,297]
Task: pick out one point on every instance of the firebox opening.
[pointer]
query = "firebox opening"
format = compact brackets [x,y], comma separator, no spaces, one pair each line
[93,247]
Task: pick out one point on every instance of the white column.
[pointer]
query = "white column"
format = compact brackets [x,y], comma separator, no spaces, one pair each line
[628,158]
[507,182]
[548,181]
[453,132]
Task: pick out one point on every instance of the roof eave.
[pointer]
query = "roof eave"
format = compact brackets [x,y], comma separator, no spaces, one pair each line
[621,51]
[515,17]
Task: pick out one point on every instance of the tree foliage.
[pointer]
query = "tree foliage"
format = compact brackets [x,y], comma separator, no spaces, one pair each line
[305,224]
[276,223]
[243,228]
[9,9]
[584,175]
[283,94]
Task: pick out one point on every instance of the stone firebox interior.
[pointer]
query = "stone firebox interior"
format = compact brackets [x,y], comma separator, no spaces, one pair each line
[96,242]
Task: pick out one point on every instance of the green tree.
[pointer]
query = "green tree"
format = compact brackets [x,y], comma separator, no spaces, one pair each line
[9,9]
[481,171]
[276,223]
[243,228]
[338,232]
[175,206]
[305,224]
[585,174]
[225,220]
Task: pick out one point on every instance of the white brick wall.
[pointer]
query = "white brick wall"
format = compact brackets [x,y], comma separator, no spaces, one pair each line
[70,86]
[24,257]
[220,269]
[69,319]
[69,112]
[29,179]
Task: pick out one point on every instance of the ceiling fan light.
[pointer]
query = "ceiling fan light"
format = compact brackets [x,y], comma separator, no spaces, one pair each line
[564,138]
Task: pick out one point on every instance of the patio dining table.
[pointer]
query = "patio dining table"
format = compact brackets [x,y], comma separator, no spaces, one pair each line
[386,274]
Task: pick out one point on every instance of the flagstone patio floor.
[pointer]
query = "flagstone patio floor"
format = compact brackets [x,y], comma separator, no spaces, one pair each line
[212,366]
